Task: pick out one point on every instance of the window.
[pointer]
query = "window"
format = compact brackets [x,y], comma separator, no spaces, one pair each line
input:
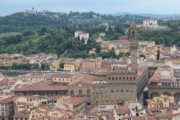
[80,92]
[72,93]
[112,90]
[112,78]
[117,90]
[88,92]
[127,90]
[2,113]
[121,90]
[109,78]
[119,78]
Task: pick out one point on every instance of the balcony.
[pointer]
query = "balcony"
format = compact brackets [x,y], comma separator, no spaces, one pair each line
[158,86]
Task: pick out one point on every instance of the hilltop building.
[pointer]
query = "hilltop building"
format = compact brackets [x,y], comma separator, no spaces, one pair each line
[29,12]
[148,23]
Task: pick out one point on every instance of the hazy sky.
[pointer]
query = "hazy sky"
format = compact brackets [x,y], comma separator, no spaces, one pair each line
[102,6]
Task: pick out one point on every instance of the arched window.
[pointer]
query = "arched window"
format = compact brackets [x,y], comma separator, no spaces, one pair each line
[2,108]
[72,93]
[80,92]
[88,92]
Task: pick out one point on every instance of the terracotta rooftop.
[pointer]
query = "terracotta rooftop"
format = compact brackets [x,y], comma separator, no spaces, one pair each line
[139,118]
[64,75]
[6,100]
[84,78]
[122,110]
[76,100]
[35,75]
[46,85]
[4,82]
[23,114]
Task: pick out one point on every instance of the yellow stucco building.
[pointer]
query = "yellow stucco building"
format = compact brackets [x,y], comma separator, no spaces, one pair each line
[161,101]
[8,60]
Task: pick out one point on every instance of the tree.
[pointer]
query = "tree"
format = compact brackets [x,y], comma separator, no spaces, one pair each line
[43,30]
[35,66]
[158,54]
[98,48]
[26,33]
[83,41]
[61,65]
[141,55]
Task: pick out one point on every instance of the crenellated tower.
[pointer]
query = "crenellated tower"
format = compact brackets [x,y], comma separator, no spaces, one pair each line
[133,47]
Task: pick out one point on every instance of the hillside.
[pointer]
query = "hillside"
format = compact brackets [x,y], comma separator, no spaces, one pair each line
[43,33]
[18,22]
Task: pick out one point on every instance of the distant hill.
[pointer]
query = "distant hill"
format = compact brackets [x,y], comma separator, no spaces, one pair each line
[19,22]
[157,16]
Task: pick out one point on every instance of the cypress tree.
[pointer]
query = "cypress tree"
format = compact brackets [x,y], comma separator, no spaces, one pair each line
[158,54]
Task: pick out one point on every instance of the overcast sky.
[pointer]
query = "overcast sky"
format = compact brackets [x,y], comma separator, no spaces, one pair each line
[102,6]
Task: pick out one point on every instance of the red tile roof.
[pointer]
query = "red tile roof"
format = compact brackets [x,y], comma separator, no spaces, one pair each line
[76,100]
[139,118]
[63,75]
[84,78]
[22,115]
[6,100]
[122,110]
[46,85]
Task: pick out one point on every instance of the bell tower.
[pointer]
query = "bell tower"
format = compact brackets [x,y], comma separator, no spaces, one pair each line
[133,47]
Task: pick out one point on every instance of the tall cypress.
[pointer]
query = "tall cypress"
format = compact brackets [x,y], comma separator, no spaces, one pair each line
[158,54]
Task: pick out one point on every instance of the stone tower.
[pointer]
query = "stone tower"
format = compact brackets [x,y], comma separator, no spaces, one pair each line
[133,47]
[32,10]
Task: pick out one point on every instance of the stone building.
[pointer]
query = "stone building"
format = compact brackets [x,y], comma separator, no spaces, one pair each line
[63,78]
[29,12]
[8,60]
[7,108]
[34,77]
[164,81]
[46,87]
[150,23]
[88,65]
